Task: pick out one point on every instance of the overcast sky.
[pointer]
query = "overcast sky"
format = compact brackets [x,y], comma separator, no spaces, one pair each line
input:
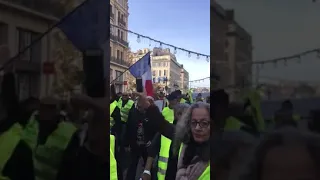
[281,28]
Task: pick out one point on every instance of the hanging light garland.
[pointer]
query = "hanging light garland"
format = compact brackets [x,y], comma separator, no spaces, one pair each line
[284,60]
[199,80]
[161,44]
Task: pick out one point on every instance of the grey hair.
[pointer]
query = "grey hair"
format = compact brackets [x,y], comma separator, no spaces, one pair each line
[287,136]
[183,128]
[181,108]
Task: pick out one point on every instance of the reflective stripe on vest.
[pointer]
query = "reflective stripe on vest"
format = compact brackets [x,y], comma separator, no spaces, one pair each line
[8,142]
[112,108]
[112,143]
[47,158]
[206,173]
[124,111]
[113,162]
[164,146]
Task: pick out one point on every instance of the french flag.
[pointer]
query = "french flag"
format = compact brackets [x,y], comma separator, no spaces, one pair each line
[142,69]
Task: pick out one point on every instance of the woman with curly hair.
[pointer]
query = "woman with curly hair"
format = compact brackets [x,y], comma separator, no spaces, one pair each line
[190,138]
[286,154]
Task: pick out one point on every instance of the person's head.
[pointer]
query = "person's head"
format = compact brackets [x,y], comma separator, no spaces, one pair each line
[48,110]
[125,96]
[194,124]
[284,117]
[29,105]
[230,152]
[173,100]
[287,104]
[161,95]
[178,92]
[220,105]
[180,109]
[286,154]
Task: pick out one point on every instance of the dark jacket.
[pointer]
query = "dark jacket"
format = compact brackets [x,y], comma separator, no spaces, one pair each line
[117,120]
[154,150]
[134,118]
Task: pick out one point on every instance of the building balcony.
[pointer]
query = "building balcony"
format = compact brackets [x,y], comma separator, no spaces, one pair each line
[120,61]
[121,22]
[123,42]
[112,15]
[119,40]
[52,8]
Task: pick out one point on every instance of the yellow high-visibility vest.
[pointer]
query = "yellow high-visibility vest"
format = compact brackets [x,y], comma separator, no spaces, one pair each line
[124,111]
[183,100]
[206,173]
[8,143]
[168,114]
[113,162]
[112,108]
[48,157]
[232,124]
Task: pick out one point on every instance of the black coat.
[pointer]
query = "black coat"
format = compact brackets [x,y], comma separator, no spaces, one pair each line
[134,118]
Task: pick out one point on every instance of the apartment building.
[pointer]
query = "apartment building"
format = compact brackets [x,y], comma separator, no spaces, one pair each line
[184,79]
[165,69]
[239,48]
[219,64]
[119,46]
[20,24]
[232,50]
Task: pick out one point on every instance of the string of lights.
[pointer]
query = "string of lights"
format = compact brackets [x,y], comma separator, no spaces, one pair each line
[199,80]
[161,44]
[295,57]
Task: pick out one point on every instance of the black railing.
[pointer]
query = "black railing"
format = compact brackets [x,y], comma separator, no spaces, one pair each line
[123,42]
[119,40]
[120,61]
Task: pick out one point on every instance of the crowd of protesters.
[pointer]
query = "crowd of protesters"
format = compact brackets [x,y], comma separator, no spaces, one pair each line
[53,140]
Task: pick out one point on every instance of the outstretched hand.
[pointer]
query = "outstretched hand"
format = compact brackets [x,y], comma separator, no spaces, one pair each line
[142,100]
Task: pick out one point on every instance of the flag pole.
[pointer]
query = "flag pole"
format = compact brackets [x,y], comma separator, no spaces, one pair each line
[128,68]
[42,35]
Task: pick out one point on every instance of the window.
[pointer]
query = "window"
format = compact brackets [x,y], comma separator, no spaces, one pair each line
[119,15]
[111,74]
[121,55]
[153,73]
[3,34]
[111,10]
[121,35]
[153,80]
[25,39]
[119,76]
[164,72]
[111,51]
[160,73]
[118,54]
[118,32]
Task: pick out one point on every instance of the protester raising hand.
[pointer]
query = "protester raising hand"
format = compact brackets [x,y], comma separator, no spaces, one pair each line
[143,101]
